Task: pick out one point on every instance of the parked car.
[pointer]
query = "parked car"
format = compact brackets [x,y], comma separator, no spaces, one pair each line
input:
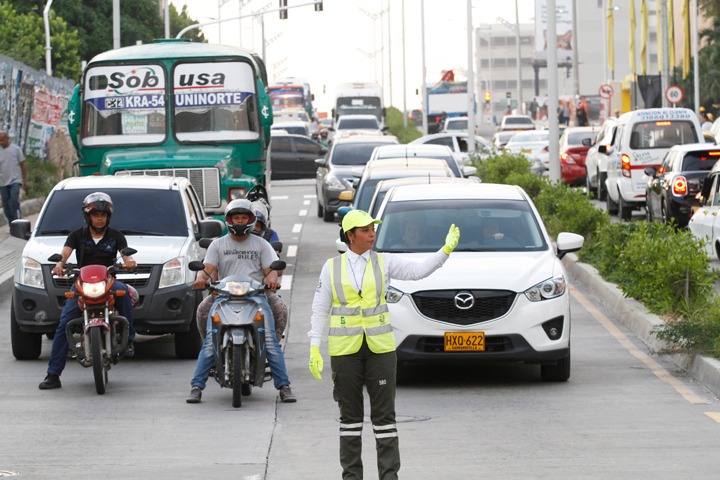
[671,192]
[534,145]
[458,143]
[343,163]
[161,217]
[596,162]
[705,222]
[502,296]
[293,156]
[426,151]
[516,122]
[643,138]
[573,147]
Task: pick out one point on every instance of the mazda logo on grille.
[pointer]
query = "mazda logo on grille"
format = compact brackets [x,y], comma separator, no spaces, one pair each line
[464,300]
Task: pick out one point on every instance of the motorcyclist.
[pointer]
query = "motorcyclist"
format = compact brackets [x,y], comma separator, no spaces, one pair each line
[324,140]
[95,244]
[261,228]
[239,253]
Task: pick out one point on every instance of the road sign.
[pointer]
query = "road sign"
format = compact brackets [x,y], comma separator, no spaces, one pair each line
[606,90]
[674,94]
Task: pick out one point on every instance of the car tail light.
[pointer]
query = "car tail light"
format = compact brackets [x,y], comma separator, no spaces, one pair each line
[680,186]
[625,165]
[566,158]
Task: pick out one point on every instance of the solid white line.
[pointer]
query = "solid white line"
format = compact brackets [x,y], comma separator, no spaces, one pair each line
[279,197]
[297,227]
[654,367]
[286,282]
[303,213]
[292,251]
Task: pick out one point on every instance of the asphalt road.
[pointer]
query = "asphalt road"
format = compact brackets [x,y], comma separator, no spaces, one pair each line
[622,414]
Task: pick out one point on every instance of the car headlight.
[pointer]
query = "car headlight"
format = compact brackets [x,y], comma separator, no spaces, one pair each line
[94,289]
[173,273]
[550,288]
[393,295]
[31,273]
[334,183]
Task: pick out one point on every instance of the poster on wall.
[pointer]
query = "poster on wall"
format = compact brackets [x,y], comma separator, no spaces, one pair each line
[563,28]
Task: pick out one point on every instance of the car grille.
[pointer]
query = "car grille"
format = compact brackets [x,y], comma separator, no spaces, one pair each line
[138,279]
[440,305]
[205,181]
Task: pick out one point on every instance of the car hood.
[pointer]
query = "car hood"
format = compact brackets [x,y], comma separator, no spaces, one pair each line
[485,270]
[151,250]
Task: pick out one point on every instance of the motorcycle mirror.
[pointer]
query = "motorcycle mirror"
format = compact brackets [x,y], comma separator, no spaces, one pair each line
[205,242]
[127,251]
[277,246]
[278,265]
[196,265]
[55,257]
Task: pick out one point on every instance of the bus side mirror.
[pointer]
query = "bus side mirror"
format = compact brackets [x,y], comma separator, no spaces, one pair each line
[74,116]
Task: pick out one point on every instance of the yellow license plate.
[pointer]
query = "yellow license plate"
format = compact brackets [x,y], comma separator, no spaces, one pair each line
[464,342]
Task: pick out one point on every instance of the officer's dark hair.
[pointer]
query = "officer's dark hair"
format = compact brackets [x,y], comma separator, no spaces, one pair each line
[343,236]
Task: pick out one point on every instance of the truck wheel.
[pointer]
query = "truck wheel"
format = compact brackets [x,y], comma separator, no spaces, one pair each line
[625,210]
[188,344]
[25,346]
[612,207]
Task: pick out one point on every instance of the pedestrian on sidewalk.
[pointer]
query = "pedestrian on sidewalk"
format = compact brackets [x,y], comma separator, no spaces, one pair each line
[351,293]
[13,176]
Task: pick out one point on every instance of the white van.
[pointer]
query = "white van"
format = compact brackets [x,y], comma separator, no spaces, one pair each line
[642,138]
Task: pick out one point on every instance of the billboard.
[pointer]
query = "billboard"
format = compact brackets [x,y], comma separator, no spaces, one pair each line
[563,27]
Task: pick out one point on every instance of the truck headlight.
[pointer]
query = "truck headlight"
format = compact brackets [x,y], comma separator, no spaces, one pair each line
[173,273]
[31,273]
[550,288]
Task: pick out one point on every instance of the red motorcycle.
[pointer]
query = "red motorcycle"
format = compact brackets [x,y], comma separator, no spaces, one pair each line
[99,337]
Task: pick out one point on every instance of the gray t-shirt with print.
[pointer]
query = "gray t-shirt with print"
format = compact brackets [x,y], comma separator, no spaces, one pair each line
[248,257]
[10,160]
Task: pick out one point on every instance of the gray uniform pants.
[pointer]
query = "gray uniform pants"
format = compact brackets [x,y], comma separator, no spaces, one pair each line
[278,307]
[376,372]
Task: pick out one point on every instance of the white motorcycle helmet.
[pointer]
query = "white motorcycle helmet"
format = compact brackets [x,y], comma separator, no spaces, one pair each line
[242,205]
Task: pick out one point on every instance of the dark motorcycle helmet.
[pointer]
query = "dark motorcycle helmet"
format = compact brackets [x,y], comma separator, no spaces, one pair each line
[240,206]
[97,202]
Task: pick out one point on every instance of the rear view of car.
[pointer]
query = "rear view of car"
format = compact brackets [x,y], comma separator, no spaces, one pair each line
[574,145]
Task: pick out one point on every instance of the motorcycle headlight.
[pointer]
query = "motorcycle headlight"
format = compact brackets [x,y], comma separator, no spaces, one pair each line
[173,273]
[393,295]
[93,290]
[550,288]
[237,288]
[31,273]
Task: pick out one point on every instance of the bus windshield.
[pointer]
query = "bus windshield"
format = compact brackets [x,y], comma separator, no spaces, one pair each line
[359,105]
[124,104]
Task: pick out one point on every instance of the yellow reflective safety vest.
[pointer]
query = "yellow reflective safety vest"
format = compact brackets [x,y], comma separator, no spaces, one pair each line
[353,316]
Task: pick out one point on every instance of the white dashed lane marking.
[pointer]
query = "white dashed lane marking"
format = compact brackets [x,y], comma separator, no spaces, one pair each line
[286,282]
[297,228]
[292,251]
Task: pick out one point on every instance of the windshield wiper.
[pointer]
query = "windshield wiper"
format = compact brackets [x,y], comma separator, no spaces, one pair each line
[130,231]
[63,231]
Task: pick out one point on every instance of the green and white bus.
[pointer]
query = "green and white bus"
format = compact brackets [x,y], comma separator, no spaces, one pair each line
[176,108]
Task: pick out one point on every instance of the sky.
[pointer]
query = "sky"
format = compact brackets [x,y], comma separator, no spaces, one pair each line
[346,41]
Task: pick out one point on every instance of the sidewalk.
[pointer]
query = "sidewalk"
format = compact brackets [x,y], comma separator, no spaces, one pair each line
[630,312]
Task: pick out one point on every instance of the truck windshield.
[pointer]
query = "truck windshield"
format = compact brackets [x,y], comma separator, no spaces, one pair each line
[136,212]
[359,105]
[214,101]
[124,104]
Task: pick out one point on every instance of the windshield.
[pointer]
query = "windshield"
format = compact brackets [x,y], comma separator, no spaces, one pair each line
[359,105]
[486,225]
[353,153]
[457,124]
[135,211]
[215,101]
[124,104]
[357,123]
[662,134]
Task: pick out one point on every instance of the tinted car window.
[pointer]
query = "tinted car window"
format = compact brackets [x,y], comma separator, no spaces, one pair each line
[699,161]
[153,212]
[280,144]
[303,145]
[353,153]
[576,138]
[357,123]
[447,141]
[665,134]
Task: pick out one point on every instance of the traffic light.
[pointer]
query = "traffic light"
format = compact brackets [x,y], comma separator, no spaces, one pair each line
[318,6]
[283,12]
[487,96]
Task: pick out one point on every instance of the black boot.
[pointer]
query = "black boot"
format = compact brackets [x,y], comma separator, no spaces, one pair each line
[50,382]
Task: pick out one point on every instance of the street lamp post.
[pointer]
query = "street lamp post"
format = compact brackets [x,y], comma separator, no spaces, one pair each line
[48,48]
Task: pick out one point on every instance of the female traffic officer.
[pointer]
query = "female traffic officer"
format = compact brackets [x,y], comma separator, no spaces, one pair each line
[361,343]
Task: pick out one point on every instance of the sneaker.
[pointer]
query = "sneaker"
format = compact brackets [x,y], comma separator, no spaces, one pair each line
[286,395]
[195,395]
[50,382]
[129,349]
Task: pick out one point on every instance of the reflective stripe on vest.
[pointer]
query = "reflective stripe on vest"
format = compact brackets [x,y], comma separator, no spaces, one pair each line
[353,316]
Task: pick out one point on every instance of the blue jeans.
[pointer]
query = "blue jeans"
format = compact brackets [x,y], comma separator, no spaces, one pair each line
[59,351]
[274,353]
[10,195]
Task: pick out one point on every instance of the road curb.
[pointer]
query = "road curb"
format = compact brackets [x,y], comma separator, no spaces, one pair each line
[635,316]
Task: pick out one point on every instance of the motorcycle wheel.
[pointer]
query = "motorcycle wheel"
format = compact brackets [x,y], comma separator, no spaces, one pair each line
[96,341]
[237,368]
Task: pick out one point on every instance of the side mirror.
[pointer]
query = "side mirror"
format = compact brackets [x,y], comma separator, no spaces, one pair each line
[650,171]
[587,142]
[205,242]
[20,229]
[209,228]
[55,257]
[603,149]
[321,162]
[128,251]
[196,265]
[278,265]
[277,246]
[568,242]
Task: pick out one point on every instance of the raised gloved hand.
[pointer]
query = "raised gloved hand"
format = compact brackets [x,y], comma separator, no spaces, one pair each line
[452,239]
[316,362]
